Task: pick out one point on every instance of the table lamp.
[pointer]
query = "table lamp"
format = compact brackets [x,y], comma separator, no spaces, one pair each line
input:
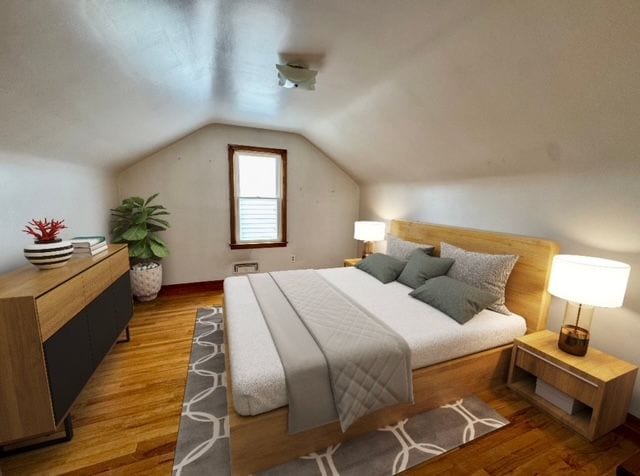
[368,231]
[585,282]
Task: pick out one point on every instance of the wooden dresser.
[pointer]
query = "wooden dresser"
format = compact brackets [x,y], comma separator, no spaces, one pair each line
[55,328]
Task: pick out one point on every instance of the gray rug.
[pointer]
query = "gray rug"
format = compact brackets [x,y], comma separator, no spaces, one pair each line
[203,440]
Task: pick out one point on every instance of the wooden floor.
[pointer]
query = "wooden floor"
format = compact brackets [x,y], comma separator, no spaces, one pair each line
[126,420]
[533,444]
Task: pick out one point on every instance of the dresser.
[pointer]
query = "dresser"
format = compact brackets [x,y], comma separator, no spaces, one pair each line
[56,326]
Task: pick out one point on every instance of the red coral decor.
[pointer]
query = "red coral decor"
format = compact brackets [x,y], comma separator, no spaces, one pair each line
[44,231]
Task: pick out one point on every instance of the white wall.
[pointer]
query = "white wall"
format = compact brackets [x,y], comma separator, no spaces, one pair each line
[594,213]
[191,176]
[37,188]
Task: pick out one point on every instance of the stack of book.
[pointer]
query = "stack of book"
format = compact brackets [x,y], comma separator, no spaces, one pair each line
[89,245]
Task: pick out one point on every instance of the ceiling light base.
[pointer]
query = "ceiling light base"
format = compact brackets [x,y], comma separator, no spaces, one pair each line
[292,76]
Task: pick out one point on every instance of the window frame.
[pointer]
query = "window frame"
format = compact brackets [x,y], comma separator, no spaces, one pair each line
[233,241]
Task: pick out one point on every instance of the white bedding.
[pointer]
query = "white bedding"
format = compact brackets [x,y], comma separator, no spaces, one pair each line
[257,374]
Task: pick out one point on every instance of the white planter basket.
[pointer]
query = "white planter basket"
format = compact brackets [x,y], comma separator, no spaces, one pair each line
[146,283]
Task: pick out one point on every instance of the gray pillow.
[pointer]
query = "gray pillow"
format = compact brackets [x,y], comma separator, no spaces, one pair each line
[421,267]
[481,270]
[456,299]
[401,249]
[382,267]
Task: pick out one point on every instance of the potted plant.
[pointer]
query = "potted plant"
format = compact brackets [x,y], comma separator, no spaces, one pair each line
[136,222]
[48,251]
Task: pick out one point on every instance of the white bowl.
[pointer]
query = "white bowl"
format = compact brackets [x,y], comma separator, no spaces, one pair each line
[49,255]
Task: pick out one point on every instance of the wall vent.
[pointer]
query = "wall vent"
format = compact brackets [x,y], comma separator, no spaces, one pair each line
[244,268]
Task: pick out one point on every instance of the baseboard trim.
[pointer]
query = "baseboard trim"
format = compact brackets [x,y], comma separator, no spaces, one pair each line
[633,423]
[630,429]
[188,288]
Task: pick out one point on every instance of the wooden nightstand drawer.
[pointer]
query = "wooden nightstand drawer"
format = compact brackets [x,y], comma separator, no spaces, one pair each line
[568,382]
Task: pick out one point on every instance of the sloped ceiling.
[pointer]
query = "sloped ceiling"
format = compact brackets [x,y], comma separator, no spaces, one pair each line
[407,90]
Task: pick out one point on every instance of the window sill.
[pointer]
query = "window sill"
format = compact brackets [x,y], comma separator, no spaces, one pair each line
[247,246]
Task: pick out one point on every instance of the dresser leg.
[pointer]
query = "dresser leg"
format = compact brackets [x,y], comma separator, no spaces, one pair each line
[68,435]
[127,338]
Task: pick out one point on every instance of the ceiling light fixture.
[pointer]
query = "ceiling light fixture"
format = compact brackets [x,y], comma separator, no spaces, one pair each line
[296,76]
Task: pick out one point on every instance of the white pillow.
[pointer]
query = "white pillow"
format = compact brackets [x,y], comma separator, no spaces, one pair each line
[481,270]
[401,249]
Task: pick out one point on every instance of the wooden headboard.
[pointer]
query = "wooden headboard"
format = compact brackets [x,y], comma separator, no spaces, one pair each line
[526,292]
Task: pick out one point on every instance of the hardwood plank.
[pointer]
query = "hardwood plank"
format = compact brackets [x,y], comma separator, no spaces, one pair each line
[534,443]
[630,466]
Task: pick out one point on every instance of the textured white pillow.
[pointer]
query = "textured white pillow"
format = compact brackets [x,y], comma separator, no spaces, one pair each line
[401,249]
[481,270]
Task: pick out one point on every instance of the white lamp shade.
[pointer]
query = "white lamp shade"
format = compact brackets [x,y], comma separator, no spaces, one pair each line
[369,230]
[592,281]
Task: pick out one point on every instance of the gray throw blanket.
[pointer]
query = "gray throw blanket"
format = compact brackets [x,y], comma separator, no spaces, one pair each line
[305,368]
[367,363]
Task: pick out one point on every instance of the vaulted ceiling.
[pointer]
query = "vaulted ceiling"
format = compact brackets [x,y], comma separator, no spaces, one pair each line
[407,90]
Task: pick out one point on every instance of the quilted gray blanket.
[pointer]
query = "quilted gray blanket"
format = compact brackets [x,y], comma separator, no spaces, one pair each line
[368,365]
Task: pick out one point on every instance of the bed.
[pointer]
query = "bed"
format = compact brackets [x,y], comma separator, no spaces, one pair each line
[448,360]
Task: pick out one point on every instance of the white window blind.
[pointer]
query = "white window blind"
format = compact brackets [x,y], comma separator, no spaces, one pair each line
[258,179]
[258,219]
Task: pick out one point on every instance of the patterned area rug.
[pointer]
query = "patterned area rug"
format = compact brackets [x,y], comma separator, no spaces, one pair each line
[203,440]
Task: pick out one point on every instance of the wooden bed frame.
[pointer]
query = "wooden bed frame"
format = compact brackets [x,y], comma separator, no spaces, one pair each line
[262,441]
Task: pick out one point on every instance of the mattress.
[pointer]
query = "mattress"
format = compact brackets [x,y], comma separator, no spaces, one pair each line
[258,380]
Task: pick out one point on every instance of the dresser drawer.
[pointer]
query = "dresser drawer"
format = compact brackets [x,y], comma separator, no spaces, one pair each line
[59,305]
[119,263]
[578,387]
[97,279]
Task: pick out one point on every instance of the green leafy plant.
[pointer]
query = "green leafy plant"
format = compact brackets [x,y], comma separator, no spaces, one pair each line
[136,222]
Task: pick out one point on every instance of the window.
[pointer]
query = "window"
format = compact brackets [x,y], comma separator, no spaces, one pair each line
[257,197]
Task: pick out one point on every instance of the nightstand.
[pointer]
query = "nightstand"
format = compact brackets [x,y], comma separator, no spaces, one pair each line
[600,381]
[351,262]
